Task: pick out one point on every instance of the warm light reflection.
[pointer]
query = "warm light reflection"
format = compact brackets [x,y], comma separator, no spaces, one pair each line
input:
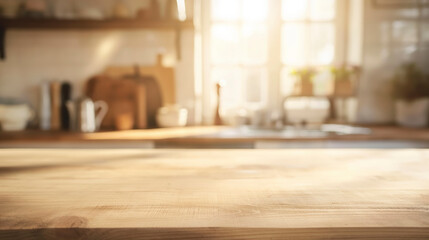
[107,46]
[105,51]
[152,134]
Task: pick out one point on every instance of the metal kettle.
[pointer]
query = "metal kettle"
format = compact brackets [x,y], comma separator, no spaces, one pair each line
[86,115]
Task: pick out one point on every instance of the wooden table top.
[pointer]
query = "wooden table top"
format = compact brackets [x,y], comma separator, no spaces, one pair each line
[214,134]
[211,194]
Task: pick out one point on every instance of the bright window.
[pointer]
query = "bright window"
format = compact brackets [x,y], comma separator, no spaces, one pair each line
[307,39]
[252,45]
[239,50]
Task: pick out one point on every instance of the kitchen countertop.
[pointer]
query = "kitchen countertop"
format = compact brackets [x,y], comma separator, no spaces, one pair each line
[212,134]
[222,194]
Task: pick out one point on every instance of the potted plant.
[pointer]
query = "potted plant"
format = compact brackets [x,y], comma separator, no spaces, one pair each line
[411,90]
[343,80]
[304,87]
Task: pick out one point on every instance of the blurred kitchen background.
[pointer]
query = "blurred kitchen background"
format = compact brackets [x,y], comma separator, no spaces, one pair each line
[214,73]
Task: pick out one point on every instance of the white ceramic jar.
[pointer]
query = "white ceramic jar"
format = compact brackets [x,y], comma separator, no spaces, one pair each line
[414,114]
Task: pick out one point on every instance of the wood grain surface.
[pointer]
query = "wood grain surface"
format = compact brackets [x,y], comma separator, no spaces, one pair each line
[214,194]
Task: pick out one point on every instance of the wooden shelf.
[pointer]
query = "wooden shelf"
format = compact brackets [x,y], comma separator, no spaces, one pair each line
[111,24]
[61,24]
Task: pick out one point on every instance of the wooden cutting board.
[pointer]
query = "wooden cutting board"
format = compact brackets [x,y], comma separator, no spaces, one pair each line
[214,194]
[164,76]
[119,94]
[138,97]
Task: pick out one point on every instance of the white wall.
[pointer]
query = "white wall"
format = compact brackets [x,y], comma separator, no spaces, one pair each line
[388,43]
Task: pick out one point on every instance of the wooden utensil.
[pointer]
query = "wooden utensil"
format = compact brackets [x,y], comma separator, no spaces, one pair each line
[141,104]
[55,105]
[218,119]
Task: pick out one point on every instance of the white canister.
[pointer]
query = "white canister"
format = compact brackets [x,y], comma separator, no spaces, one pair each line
[414,114]
[45,106]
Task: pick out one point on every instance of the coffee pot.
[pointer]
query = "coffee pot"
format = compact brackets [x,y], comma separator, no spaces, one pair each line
[86,115]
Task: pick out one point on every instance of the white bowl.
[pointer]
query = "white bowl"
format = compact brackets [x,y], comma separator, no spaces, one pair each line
[13,126]
[15,117]
[168,117]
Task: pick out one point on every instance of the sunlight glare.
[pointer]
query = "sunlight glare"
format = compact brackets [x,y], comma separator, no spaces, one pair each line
[225,10]
[255,10]
[294,9]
